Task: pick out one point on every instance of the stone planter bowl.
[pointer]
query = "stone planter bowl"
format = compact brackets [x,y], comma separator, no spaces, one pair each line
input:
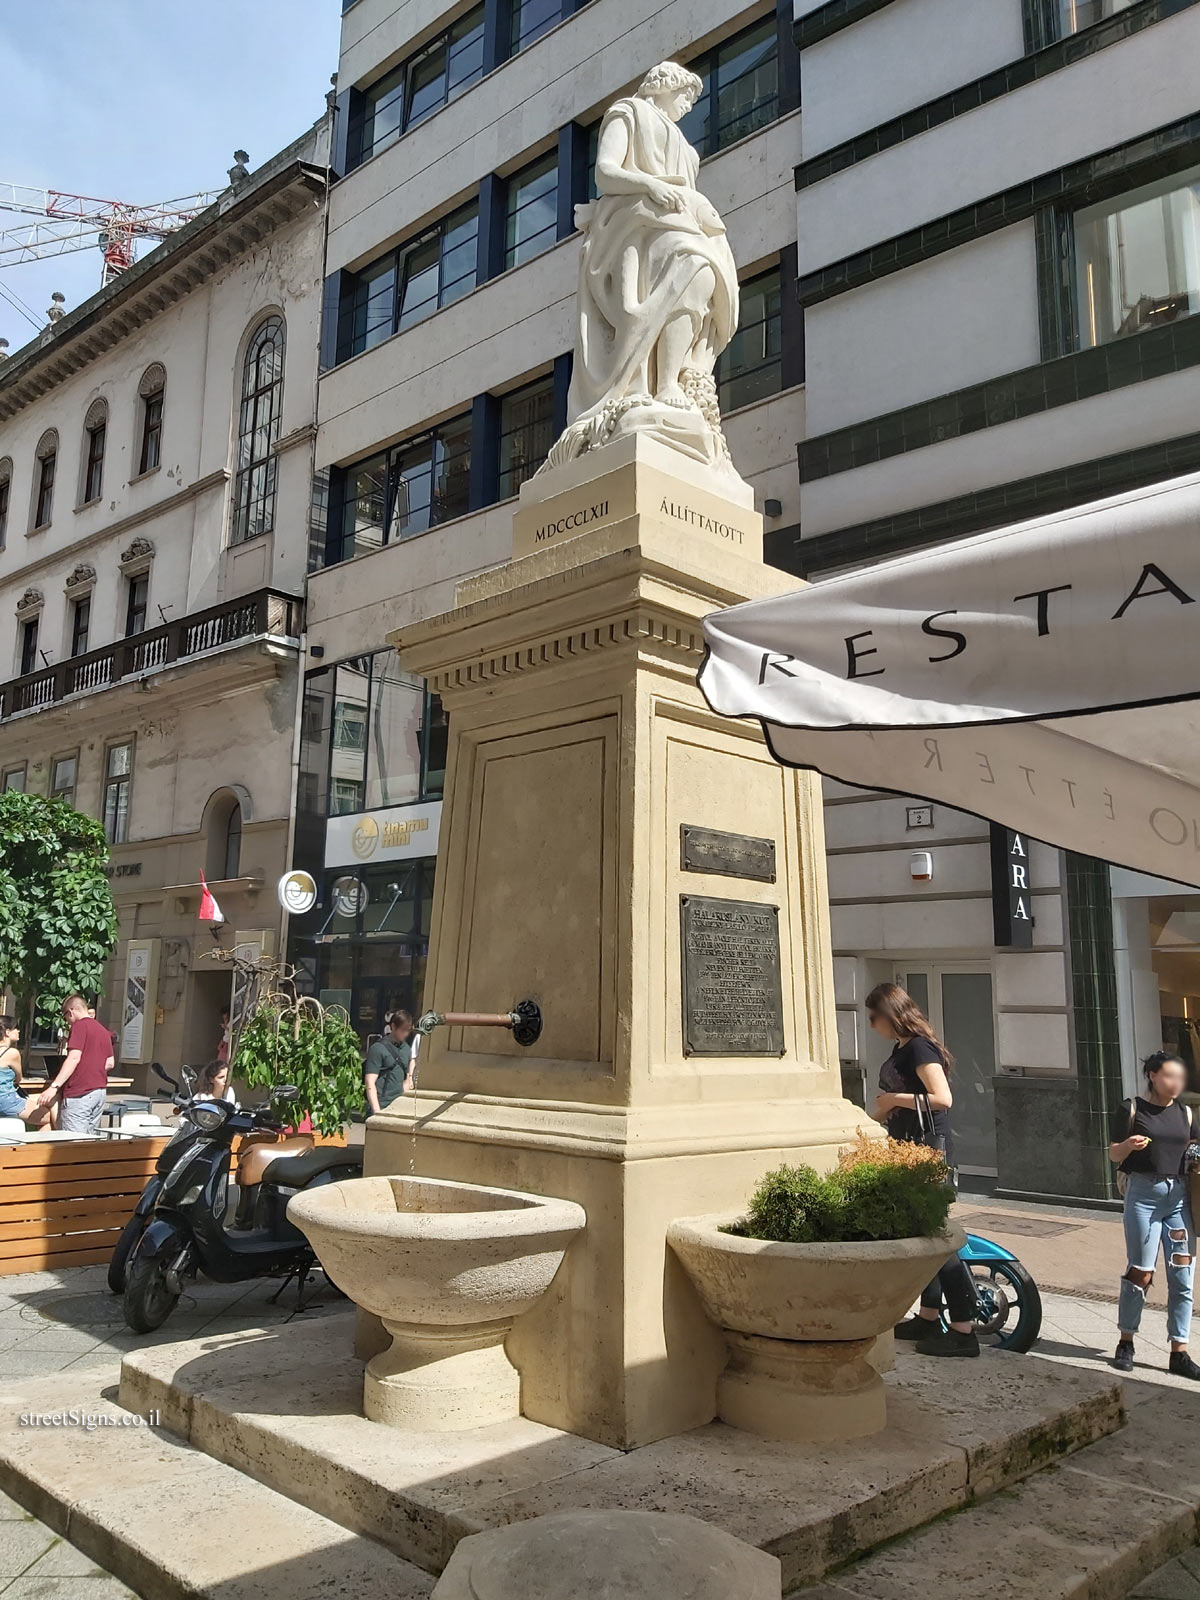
[799,1320]
[447,1267]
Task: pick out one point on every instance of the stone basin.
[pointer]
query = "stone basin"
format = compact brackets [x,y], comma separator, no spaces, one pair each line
[447,1267]
[800,1321]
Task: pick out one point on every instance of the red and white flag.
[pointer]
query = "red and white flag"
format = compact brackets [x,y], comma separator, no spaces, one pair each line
[210,911]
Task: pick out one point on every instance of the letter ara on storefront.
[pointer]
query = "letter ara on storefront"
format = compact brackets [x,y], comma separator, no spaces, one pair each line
[1045,676]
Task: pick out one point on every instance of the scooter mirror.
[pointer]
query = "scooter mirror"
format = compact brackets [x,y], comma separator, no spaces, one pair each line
[156,1067]
[286,1092]
[189,1075]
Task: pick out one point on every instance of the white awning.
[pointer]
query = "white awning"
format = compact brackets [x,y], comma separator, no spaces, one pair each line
[1045,675]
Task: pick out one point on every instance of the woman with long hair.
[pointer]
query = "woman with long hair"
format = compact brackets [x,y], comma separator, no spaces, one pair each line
[13,1103]
[913,1104]
[1152,1135]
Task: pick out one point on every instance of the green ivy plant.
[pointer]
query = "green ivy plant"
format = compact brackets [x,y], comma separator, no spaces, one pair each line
[282,1037]
[58,923]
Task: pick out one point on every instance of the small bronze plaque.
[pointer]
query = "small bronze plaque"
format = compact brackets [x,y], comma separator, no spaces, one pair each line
[732,990]
[734,855]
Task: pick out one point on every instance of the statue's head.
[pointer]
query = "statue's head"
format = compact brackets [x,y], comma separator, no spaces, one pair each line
[673,88]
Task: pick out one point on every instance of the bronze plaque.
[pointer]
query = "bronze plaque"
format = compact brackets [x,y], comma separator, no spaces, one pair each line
[735,855]
[732,989]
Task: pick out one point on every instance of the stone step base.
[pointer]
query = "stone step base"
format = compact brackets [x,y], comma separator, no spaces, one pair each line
[282,1405]
[1090,1529]
[171,1522]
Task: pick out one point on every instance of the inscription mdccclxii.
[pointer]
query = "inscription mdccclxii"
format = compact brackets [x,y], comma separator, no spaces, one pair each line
[732,987]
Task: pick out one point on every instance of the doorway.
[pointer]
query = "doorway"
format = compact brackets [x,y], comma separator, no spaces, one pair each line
[957,999]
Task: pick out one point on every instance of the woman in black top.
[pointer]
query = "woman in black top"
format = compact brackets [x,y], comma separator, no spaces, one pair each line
[914,1104]
[1151,1135]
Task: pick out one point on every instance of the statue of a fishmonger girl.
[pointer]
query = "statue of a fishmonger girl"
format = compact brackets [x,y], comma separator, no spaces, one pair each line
[658,290]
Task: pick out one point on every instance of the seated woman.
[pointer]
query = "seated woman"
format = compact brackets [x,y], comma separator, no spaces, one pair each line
[12,1102]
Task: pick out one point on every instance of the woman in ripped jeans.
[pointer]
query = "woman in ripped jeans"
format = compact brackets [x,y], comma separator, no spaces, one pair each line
[1152,1152]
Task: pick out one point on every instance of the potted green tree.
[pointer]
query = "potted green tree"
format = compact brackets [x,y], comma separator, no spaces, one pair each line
[279,1036]
[807,1280]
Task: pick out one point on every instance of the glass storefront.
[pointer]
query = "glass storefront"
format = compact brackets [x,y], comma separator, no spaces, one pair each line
[373,759]
[1156,929]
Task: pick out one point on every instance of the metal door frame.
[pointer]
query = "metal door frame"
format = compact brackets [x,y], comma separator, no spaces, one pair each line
[934,970]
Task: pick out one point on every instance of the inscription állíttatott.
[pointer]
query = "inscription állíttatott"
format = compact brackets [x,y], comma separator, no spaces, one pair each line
[732,984]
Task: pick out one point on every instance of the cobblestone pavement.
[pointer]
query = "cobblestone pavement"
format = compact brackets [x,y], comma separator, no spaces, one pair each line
[67,1321]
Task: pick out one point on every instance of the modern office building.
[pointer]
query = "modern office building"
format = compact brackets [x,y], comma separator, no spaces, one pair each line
[465,138]
[998,225]
[156,491]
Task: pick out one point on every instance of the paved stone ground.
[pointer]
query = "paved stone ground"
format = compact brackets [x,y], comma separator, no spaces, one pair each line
[67,1321]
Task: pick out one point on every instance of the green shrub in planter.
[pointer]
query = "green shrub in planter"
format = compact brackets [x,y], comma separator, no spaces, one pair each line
[879,1193]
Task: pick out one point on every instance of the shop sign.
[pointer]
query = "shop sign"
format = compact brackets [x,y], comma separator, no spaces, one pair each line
[397,834]
[1012,902]
[297,892]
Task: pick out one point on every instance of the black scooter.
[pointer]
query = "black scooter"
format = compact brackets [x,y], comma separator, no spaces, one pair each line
[185,1233]
[180,1142]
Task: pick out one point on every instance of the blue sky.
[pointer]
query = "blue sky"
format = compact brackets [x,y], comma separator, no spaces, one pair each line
[144,100]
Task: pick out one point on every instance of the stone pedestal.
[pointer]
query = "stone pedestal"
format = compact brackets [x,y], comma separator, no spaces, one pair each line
[584,774]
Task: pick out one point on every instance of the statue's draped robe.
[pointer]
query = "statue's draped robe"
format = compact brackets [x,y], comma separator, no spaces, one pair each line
[638,268]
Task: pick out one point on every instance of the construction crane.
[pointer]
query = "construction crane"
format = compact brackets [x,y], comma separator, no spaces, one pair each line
[79,222]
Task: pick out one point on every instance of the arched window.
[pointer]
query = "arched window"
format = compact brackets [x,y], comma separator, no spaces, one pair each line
[258,433]
[223,833]
[95,432]
[151,391]
[5,492]
[45,467]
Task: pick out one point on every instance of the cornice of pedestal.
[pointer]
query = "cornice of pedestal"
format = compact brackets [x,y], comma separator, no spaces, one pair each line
[636,585]
[618,1133]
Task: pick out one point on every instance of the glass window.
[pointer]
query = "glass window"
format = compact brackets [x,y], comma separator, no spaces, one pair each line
[531,223]
[29,646]
[349,726]
[5,490]
[741,89]
[531,19]
[434,739]
[382,114]
[118,773]
[232,864]
[413,487]
[1137,260]
[62,778]
[14,779]
[152,420]
[346,796]
[424,83]
[137,599]
[94,468]
[373,310]
[413,282]
[258,433]
[526,433]
[1077,14]
[394,751]
[365,516]
[81,616]
[44,503]
[749,367]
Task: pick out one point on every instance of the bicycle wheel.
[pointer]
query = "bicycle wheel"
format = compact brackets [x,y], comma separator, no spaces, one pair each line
[1010,1307]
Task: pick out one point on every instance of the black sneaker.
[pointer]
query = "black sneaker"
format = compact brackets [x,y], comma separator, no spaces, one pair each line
[1123,1360]
[913,1328]
[1182,1365]
[947,1342]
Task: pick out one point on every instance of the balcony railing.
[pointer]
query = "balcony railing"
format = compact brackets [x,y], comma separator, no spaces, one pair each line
[249,617]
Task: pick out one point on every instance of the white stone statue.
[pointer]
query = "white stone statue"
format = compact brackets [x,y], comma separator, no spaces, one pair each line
[658,289]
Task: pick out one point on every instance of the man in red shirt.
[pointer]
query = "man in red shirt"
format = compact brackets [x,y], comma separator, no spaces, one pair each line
[83,1077]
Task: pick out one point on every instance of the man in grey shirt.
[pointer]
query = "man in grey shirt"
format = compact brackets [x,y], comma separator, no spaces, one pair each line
[387,1073]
